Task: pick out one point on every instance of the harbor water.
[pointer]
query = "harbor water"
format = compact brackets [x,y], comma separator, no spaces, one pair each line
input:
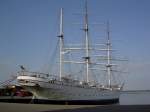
[135,98]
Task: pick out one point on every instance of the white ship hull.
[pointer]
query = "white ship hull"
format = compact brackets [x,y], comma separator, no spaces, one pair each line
[51,90]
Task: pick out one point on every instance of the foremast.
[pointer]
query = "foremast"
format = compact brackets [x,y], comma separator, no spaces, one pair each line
[61,43]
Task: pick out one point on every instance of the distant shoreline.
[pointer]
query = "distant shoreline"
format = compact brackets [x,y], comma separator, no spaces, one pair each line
[134,91]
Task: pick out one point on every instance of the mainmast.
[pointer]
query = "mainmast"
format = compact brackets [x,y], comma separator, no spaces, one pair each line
[87,58]
[109,65]
[61,41]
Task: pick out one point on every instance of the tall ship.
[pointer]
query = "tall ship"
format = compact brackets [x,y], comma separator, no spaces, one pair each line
[78,87]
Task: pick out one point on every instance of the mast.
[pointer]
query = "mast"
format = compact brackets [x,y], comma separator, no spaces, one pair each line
[109,65]
[61,41]
[86,30]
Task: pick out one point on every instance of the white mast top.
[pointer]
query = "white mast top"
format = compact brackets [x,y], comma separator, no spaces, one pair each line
[61,23]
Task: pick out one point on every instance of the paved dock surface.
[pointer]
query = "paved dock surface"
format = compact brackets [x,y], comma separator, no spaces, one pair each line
[19,107]
[16,107]
[108,108]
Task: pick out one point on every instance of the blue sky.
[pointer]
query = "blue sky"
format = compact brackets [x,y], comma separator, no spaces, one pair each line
[28,30]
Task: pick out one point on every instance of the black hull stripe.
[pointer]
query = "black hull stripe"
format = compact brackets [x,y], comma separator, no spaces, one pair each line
[63,102]
[77,102]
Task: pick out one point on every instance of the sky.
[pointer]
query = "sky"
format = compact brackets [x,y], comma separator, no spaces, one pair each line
[29,29]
